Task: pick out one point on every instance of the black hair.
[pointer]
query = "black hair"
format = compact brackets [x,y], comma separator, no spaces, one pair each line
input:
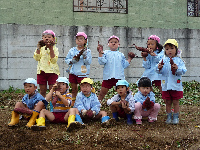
[126,88]
[171,45]
[144,82]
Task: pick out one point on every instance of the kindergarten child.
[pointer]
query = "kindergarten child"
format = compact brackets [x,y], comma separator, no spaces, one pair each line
[122,104]
[114,64]
[62,112]
[30,106]
[152,59]
[47,55]
[79,59]
[88,104]
[172,68]
[145,105]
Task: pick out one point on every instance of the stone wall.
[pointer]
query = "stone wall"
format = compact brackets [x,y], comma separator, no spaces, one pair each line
[18,43]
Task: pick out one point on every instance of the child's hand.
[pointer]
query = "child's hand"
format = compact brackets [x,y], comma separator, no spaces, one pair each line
[50,44]
[58,93]
[151,52]
[174,66]
[124,104]
[100,48]
[55,86]
[131,55]
[160,65]
[144,54]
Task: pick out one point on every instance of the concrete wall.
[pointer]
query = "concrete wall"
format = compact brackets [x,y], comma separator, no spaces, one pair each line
[166,14]
[18,42]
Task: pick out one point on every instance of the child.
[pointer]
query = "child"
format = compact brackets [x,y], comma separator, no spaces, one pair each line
[114,64]
[62,112]
[151,60]
[88,104]
[172,68]
[47,55]
[31,104]
[79,58]
[123,103]
[145,105]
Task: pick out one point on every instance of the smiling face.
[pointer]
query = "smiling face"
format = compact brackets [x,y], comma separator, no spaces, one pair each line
[145,90]
[152,44]
[29,88]
[113,44]
[62,87]
[86,89]
[48,37]
[122,90]
[170,50]
[80,41]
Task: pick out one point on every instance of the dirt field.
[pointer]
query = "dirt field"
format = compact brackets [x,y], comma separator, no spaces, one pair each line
[156,135]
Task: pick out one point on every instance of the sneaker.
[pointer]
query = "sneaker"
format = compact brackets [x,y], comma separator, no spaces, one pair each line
[138,121]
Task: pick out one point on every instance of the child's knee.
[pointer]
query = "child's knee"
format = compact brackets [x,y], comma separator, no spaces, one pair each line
[138,105]
[156,106]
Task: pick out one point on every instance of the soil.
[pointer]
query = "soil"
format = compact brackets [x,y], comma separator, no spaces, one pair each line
[155,135]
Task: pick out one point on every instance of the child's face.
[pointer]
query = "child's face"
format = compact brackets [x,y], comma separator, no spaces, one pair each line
[80,41]
[29,88]
[170,51]
[151,44]
[48,37]
[62,87]
[113,44]
[122,90]
[145,90]
[86,89]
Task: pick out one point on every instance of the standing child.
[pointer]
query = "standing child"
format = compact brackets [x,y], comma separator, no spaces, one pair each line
[172,68]
[88,104]
[122,104]
[47,55]
[31,104]
[152,59]
[114,64]
[61,101]
[79,58]
[145,105]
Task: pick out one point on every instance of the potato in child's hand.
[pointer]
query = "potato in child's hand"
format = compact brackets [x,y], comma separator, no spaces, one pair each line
[100,48]
[131,55]
[144,54]
[40,44]
[89,114]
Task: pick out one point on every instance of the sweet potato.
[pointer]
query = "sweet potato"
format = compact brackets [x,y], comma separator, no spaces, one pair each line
[89,114]
[99,47]
[173,70]
[147,104]
[77,57]
[131,54]
[162,63]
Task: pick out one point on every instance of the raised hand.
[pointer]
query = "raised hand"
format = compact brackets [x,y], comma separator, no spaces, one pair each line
[100,48]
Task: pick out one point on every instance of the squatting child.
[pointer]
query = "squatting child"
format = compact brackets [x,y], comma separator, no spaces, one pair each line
[47,56]
[145,105]
[79,59]
[114,64]
[172,68]
[62,113]
[122,104]
[88,104]
[30,106]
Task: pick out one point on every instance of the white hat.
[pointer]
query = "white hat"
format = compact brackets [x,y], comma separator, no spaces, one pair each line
[31,80]
[63,79]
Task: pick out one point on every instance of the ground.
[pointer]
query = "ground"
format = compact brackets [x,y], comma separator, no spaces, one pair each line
[158,135]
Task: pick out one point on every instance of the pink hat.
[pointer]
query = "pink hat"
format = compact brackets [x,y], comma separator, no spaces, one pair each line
[82,34]
[49,32]
[154,37]
[113,36]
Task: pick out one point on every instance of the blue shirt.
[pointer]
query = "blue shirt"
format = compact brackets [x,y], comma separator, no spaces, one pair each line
[86,103]
[114,64]
[129,98]
[33,100]
[76,67]
[170,81]
[139,97]
[150,65]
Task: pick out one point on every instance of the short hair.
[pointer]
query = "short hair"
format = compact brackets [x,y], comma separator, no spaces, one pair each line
[144,82]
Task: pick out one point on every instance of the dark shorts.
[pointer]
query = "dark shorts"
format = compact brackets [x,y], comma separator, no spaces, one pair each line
[156,82]
[121,113]
[109,83]
[75,79]
[43,78]
[172,95]
[59,117]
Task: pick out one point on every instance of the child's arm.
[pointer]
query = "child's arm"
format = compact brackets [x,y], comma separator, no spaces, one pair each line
[95,104]
[54,55]
[181,69]
[87,60]
[63,99]
[50,94]
[113,101]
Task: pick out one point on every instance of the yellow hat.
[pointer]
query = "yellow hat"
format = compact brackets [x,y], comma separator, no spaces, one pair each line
[87,80]
[171,41]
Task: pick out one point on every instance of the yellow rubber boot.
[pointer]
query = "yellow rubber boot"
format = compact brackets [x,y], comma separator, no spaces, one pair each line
[72,124]
[40,124]
[14,119]
[32,119]
[71,119]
